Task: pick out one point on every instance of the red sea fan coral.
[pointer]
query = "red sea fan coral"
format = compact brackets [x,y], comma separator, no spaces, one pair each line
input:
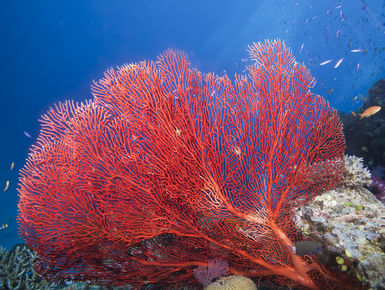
[167,168]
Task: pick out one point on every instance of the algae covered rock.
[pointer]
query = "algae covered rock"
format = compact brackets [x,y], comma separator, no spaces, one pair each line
[350,224]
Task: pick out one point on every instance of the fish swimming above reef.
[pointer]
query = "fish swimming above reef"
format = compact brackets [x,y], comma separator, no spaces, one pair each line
[6,185]
[370,111]
[356,50]
[338,62]
[303,248]
[326,62]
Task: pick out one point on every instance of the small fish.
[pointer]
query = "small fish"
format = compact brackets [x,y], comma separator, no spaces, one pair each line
[6,185]
[4,226]
[338,33]
[354,114]
[330,91]
[303,248]
[338,62]
[370,111]
[12,166]
[363,98]
[300,50]
[355,98]
[177,132]
[365,149]
[357,67]
[27,134]
[326,62]
[356,50]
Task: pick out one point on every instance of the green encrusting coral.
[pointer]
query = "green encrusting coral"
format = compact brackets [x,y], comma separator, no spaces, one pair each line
[16,269]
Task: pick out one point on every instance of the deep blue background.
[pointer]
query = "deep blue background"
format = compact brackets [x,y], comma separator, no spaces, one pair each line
[52,50]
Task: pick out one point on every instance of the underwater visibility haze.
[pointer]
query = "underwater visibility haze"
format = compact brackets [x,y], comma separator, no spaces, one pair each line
[171,144]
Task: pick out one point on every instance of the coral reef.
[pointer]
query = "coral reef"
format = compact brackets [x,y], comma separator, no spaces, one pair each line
[16,269]
[167,168]
[366,137]
[350,224]
[215,269]
[355,174]
[232,283]
[378,188]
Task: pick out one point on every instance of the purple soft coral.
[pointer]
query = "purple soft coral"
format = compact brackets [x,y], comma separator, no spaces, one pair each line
[378,188]
[215,269]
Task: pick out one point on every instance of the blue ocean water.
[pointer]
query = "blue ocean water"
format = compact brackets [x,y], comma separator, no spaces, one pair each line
[52,51]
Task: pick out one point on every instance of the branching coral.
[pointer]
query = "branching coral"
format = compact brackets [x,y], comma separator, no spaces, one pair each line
[16,270]
[355,174]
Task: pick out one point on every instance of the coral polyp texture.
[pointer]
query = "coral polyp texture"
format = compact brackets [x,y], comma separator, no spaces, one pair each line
[167,168]
[355,173]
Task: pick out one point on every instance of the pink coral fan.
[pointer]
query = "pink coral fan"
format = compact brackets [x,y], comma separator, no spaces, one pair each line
[215,269]
[378,188]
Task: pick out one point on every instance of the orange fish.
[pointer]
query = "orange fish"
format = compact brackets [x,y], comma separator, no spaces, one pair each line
[370,111]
